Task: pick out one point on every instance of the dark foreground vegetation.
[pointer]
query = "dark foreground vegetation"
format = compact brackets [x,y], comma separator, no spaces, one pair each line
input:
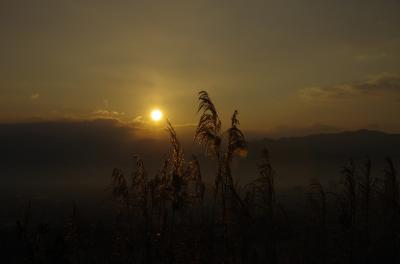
[173,217]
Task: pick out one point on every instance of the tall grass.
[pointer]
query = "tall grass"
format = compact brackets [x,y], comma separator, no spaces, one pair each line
[167,218]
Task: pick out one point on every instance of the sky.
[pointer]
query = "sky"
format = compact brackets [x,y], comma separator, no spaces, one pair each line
[284,65]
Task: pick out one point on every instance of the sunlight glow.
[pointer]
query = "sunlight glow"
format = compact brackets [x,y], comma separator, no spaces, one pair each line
[156,115]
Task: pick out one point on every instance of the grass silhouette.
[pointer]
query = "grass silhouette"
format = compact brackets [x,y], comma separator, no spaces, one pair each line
[174,218]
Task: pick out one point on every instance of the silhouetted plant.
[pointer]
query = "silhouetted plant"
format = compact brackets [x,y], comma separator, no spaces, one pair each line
[236,146]
[120,188]
[166,219]
[392,211]
[138,191]
[193,175]
[367,187]
[349,196]
[348,205]
[391,186]
[318,201]
[208,134]
[72,237]
[261,192]
[178,182]
[264,188]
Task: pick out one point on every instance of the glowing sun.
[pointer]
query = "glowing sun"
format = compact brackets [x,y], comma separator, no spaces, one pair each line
[156,115]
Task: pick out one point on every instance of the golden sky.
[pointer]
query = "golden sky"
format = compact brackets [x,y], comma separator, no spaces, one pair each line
[281,64]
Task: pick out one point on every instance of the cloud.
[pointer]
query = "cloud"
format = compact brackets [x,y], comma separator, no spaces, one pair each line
[138,120]
[371,56]
[101,113]
[380,85]
[35,96]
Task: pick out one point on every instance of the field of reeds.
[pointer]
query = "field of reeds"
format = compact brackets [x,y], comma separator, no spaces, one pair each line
[176,217]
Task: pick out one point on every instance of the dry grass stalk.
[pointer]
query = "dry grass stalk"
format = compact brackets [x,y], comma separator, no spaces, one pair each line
[317,199]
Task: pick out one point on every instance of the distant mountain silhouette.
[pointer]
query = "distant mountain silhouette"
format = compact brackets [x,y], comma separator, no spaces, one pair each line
[348,144]
[296,131]
[40,153]
[298,159]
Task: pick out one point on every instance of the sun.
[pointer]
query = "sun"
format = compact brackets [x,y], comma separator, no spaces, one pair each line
[156,115]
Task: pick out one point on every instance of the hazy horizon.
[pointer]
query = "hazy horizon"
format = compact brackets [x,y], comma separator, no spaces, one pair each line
[147,129]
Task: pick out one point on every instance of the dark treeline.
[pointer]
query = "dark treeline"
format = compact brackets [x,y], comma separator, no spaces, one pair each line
[175,217]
